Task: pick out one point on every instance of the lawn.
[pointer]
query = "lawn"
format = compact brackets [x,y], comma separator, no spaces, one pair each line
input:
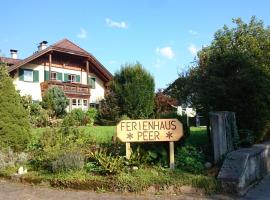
[104,134]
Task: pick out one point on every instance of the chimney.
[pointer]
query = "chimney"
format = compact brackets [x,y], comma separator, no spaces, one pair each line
[42,45]
[13,53]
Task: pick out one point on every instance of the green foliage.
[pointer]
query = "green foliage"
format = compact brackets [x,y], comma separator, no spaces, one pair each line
[232,74]
[189,159]
[108,163]
[68,161]
[39,117]
[91,116]
[77,117]
[55,101]
[134,88]
[14,119]
[109,111]
[248,137]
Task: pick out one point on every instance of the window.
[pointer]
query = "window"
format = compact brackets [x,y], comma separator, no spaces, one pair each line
[92,82]
[74,102]
[84,102]
[28,75]
[94,105]
[72,78]
[53,75]
[79,102]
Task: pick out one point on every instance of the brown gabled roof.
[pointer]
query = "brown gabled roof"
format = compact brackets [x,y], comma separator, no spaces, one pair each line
[69,47]
[9,61]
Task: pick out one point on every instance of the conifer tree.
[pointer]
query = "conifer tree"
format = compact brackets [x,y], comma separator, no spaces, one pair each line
[14,119]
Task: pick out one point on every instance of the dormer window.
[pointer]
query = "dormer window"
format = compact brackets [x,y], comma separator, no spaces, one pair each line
[72,78]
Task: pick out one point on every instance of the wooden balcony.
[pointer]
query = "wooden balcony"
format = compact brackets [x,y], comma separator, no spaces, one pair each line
[71,90]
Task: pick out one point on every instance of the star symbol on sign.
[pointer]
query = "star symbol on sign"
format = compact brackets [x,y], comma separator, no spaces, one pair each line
[129,135]
[169,135]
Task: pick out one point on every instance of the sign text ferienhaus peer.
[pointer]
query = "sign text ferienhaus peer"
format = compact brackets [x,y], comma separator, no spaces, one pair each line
[150,130]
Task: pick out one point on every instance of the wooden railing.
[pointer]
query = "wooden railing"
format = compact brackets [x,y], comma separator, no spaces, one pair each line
[70,89]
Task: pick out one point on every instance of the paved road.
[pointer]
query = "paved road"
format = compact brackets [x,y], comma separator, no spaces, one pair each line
[18,191]
[260,191]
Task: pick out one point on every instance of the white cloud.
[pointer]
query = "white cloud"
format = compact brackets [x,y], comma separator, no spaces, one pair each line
[166,52]
[193,49]
[192,32]
[82,34]
[116,24]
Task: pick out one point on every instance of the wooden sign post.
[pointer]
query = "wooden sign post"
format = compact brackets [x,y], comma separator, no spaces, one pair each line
[150,130]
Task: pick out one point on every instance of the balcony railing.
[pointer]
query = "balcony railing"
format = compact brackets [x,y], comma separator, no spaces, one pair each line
[70,89]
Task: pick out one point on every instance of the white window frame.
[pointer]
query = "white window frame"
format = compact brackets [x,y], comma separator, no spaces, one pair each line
[79,102]
[73,102]
[72,78]
[30,77]
[85,102]
[54,79]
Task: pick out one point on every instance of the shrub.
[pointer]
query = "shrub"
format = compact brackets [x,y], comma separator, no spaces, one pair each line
[55,101]
[68,161]
[189,159]
[91,116]
[14,119]
[108,163]
[8,158]
[39,117]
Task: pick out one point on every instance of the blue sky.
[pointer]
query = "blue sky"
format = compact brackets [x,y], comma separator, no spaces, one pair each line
[163,36]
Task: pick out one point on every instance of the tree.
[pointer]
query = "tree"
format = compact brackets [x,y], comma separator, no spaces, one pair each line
[233,74]
[14,119]
[134,88]
[55,101]
[164,103]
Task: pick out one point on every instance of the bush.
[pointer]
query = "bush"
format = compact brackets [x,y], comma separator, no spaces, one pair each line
[14,118]
[189,159]
[108,163]
[8,158]
[39,117]
[77,117]
[55,101]
[91,116]
[68,161]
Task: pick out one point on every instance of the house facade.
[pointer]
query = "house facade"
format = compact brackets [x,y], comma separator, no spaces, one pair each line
[78,73]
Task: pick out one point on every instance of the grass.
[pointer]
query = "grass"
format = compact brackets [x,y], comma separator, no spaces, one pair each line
[104,134]
[133,181]
[198,136]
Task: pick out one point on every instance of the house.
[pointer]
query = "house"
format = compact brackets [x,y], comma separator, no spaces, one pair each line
[78,73]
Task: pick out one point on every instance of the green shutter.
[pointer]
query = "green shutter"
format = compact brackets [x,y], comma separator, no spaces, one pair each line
[59,76]
[46,75]
[35,76]
[21,73]
[93,83]
[78,78]
[66,77]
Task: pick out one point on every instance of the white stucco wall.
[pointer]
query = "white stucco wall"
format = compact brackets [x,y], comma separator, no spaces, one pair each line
[30,88]
[97,94]
[33,89]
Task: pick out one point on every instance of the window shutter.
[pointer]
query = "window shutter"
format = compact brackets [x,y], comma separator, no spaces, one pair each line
[59,76]
[35,76]
[21,73]
[66,77]
[78,78]
[46,75]
[93,83]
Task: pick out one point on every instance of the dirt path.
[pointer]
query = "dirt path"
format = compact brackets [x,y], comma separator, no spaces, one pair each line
[18,191]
